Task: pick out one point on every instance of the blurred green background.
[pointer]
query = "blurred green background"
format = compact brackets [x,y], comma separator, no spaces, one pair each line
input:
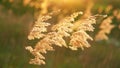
[16,21]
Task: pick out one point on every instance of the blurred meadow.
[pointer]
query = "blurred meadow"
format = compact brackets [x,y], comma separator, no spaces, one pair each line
[17,18]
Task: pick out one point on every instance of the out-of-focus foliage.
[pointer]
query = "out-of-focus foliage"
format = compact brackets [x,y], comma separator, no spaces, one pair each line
[16,20]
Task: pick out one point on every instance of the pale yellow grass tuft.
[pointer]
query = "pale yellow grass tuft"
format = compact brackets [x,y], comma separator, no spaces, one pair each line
[63,29]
